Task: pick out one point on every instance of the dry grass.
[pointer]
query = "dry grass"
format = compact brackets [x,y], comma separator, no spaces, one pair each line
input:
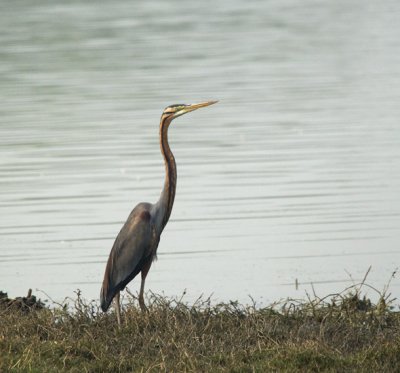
[343,332]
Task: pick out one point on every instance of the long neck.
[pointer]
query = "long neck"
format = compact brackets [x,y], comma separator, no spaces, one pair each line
[167,197]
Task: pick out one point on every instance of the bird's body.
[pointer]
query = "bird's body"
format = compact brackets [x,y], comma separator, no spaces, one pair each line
[129,255]
[135,247]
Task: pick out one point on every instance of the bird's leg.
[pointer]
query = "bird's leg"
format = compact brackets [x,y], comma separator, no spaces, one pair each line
[117,309]
[144,272]
[141,298]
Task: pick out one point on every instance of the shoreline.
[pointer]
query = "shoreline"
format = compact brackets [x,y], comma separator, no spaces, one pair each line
[342,332]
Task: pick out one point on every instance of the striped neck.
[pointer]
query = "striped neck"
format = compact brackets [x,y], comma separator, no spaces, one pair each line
[167,197]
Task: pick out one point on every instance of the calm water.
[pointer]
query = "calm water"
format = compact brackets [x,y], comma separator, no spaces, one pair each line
[295,174]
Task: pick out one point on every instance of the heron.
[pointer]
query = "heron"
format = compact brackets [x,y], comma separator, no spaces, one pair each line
[135,246]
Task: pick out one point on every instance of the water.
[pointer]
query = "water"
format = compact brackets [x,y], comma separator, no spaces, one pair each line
[294,174]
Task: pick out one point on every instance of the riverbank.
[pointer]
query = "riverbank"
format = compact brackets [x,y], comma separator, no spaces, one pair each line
[344,332]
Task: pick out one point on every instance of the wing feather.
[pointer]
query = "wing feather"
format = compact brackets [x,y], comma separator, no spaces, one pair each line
[133,245]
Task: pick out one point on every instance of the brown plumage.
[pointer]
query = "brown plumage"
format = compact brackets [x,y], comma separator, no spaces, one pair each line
[136,245]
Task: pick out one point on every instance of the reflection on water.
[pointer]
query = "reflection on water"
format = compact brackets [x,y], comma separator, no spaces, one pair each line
[293,175]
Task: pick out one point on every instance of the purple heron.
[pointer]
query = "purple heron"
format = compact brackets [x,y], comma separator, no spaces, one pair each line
[136,244]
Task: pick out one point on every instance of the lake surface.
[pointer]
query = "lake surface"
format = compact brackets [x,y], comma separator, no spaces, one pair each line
[294,174]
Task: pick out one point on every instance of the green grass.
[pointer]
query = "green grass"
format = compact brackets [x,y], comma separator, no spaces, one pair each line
[343,333]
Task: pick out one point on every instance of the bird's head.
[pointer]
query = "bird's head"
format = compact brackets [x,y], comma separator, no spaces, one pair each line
[175,111]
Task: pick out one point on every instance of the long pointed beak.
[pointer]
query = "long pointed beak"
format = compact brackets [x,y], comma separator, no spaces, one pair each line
[201,104]
[192,107]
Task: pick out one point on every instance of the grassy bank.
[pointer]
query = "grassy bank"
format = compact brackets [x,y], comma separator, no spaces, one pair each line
[343,333]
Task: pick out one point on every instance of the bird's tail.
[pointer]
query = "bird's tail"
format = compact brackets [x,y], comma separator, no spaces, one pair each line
[107,291]
[105,299]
